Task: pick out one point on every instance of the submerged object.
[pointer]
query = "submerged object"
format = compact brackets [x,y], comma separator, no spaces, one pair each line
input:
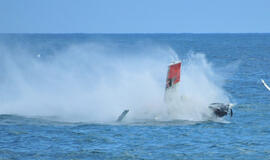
[265,85]
[122,116]
[221,109]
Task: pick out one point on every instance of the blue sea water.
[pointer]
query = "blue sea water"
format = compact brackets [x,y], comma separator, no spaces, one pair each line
[244,136]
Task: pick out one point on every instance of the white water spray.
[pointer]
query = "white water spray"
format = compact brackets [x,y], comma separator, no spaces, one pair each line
[199,86]
[95,83]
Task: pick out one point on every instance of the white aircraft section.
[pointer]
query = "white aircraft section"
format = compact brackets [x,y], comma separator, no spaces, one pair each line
[265,85]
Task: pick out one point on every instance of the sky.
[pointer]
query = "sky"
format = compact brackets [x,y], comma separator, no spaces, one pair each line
[134,16]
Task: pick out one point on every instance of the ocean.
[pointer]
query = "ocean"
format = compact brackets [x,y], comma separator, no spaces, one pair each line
[60,96]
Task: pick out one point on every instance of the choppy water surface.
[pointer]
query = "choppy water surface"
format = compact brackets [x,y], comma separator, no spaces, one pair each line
[32,127]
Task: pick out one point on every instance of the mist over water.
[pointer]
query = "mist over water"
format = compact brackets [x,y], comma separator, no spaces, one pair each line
[94,83]
[92,78]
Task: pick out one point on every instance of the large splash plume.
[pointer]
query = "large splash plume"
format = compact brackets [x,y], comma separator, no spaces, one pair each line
[95,83]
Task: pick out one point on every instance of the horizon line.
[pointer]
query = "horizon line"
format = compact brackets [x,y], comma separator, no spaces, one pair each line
[136,33]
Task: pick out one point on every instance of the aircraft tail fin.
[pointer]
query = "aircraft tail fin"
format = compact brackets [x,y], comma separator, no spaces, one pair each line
[173,76]
[173,79]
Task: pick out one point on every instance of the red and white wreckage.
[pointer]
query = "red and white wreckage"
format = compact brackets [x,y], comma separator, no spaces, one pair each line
[172,83]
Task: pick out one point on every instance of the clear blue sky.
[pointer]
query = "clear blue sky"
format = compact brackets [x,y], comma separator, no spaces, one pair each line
[134,16]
